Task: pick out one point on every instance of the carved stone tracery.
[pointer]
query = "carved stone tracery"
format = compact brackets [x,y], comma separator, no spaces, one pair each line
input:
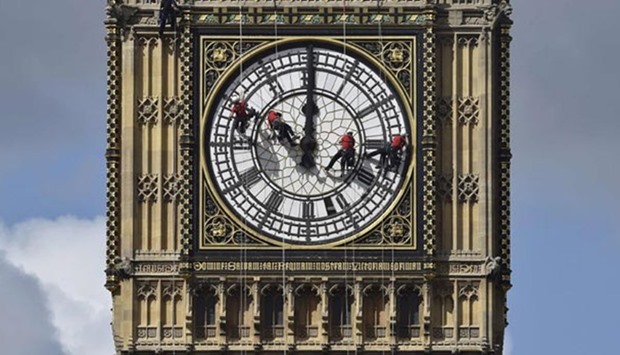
[148,187]
[172,110]
[173,289]
[468,188]
[148,111]
[147,290]
[468,110]
[172,187]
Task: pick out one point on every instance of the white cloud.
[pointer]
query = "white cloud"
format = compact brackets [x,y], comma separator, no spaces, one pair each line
[508,343]
[66,255]
[26,327]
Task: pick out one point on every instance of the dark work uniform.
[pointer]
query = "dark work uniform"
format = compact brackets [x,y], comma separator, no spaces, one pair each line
[167,14]
[390,153]
[346,152]
[241,115]
[385,151]
[283,130]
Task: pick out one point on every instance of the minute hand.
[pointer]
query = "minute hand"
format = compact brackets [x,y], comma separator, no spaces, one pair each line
[308,142]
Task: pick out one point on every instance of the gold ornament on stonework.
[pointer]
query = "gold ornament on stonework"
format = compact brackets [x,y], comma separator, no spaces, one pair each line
[218,231]
[309,19]
[396,231]
[395,55]
[219,55]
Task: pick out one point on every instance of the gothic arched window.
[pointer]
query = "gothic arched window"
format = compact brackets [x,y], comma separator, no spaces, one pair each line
[272,312]
[408,307]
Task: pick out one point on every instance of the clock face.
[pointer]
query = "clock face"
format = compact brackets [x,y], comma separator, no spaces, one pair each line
[262,181]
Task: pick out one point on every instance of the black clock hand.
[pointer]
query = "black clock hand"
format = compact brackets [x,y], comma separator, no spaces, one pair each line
[308,142]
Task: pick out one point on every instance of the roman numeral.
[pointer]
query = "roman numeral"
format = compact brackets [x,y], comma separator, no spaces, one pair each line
[269,71]
[236,145]
[341,201]
[375,143]
[370,108]
[308,210]
[247,179]
[347,77]
[329,206]
[365,176]
[351,219]
[304,78]
[274,201]
[250,177]
[240,145]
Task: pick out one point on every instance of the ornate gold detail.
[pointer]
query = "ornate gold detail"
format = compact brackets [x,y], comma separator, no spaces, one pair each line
[459,268]
[219,55]
[273,19]
[305,267]
[207,19]
[414,19]
[396,230]
[219,230]
[344,18]
[396,56]
[429,266]
[155,268]
[379,18]
[237,18]
[309,19]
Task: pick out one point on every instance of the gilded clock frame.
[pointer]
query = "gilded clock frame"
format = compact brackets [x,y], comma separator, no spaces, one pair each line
[378,234]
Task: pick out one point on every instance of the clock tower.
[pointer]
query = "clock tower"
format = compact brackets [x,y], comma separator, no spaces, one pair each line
[308,176]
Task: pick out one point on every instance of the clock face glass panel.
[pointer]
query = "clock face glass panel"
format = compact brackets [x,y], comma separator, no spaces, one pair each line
[261,181]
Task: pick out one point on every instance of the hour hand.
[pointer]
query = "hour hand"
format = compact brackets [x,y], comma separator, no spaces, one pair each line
[308,142]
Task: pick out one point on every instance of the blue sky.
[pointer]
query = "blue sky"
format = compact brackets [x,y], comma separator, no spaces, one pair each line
[565,190]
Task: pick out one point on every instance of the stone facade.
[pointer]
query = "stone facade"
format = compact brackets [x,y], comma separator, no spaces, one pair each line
[447,296]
